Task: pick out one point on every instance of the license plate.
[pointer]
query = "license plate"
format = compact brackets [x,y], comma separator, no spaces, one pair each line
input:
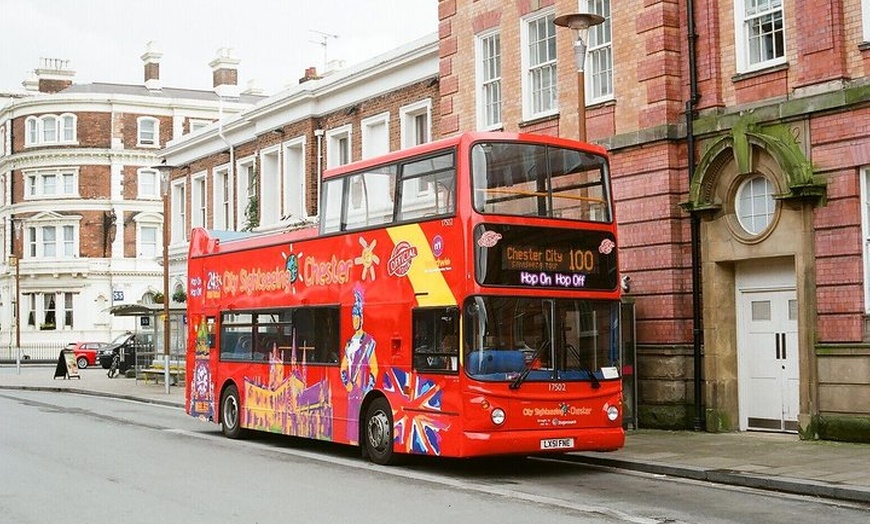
[557,443]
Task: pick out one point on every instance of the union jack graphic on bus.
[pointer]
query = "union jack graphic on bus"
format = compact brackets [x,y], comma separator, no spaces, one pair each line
[417,431]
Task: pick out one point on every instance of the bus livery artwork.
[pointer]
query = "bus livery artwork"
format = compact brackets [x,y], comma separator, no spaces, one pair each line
[456,299]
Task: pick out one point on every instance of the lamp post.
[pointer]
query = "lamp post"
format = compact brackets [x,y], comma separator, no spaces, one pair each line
[164,186]
[580,24]
[13,260]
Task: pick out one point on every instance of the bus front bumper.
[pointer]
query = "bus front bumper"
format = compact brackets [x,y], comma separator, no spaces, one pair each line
[536,442]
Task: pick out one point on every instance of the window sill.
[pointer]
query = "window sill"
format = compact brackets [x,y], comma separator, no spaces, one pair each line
[740,77]
[538,120]
[864,46]
[600,104]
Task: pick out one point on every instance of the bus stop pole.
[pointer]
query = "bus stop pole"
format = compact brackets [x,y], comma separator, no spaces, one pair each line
[166,222]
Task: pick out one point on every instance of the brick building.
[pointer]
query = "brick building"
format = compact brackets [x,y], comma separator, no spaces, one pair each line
[777,147]
[260,170]
[80,204]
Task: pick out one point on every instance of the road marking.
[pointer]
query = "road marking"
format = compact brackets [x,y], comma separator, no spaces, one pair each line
[431,478]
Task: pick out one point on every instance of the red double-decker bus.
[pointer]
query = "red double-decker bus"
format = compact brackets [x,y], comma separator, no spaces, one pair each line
[459,298]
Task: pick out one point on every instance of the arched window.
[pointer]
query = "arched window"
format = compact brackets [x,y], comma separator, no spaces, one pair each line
[68,128]
[49,129]
[149,131]
[32,136]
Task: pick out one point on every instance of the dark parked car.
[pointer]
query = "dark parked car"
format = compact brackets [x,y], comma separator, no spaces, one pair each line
[130,344]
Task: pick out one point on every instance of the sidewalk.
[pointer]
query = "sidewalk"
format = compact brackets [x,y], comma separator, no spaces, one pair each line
[93,381]
[772,461]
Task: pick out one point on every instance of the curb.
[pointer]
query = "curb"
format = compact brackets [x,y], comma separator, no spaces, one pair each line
[795,486]
[60,389]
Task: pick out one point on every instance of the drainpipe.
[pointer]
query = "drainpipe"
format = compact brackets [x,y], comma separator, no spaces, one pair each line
[232,171]
[695,222]
[319,134]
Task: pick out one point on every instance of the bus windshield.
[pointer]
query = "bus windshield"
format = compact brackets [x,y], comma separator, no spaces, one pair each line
[533,339]
[539,180]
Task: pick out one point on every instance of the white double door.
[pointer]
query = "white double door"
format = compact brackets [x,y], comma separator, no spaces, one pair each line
[768,359]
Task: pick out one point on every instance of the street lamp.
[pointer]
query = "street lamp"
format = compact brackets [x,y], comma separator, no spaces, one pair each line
[164,186]
[580,24]
[13,260]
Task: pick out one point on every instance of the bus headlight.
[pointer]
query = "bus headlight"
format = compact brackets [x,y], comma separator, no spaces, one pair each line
[612,412]
[497,416]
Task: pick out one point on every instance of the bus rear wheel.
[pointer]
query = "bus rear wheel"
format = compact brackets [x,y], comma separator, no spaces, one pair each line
[230,413]
[378,432]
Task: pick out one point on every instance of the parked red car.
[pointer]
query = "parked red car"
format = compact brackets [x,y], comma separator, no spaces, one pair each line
[86,352]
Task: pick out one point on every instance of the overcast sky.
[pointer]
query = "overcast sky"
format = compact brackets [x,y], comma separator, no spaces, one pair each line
[274,39]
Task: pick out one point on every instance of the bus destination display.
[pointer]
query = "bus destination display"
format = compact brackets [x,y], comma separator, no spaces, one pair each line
[545,257]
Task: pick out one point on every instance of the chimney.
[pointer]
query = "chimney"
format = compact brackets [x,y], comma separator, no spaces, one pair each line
[253,88]
[53,75]
[225,73]
[151,59]
[310,74]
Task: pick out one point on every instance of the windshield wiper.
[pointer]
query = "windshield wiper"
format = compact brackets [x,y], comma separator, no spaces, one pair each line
[528,368]
[595,383]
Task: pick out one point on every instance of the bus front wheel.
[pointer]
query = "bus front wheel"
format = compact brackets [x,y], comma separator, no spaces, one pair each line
[230,413]
[378,432]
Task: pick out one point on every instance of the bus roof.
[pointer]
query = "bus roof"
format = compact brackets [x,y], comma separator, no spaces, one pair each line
[464,138]
[209,242]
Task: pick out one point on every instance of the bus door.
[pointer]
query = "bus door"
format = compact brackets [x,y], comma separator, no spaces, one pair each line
[435,333]
[202,401]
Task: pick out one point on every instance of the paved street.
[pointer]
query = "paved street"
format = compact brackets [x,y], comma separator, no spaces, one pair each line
[761,460]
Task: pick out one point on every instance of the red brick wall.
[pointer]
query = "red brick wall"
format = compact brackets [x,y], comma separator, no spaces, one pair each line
[127,129]
[94,129]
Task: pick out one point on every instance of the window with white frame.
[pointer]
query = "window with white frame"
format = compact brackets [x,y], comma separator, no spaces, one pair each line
[148,238]
[338,146]
[488,50]
[51,240]
[48,311]
[148,183]
[67,302]
[294,187]
[198,201]
[222,212]
[148,134]
[865,19]
[196,125]
[415,123]
[30,300]
[246,194]
[178,226]
[2,140]
[270,186]
[865,231]
[50,183]
[539,65]
[599,55]
[760,34]
[375,135]
[50,129]
[31,138]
